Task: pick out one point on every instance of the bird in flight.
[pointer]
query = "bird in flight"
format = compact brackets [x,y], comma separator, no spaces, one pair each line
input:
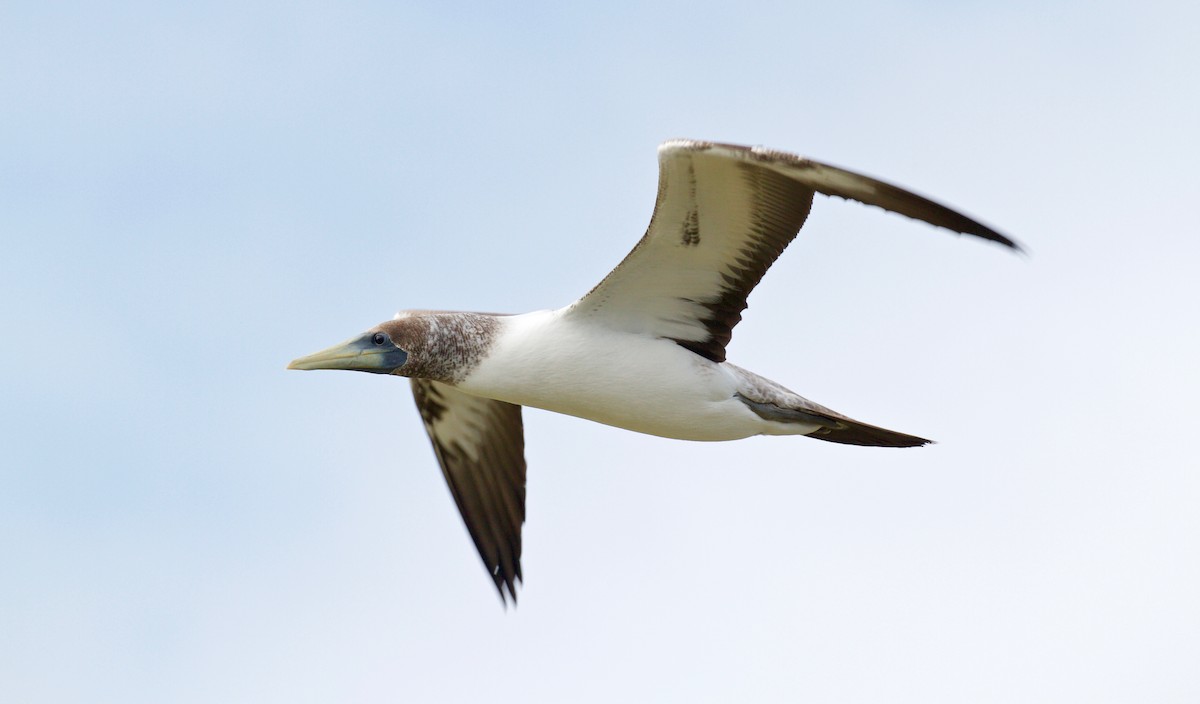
[643,350]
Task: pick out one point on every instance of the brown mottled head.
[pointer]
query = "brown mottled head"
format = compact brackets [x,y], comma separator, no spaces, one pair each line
[436,345]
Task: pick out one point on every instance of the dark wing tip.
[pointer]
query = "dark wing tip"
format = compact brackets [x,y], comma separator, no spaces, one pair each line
[506,583]
[882,194]
[980,230]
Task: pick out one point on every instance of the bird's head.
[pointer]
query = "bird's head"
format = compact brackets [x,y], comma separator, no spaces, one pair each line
[439,345]
[381,350]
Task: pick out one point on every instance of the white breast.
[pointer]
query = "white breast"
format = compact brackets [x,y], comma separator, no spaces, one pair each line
[632,381]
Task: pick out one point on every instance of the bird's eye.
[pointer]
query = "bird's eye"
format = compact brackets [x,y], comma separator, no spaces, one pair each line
[379,338]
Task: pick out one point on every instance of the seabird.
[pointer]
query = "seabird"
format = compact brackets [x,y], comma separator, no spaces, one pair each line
[644,350]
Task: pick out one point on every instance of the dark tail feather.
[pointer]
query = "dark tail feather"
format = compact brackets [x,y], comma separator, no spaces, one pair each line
[835,427]
[851,432]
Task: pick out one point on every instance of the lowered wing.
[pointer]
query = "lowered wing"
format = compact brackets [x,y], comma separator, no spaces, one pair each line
[480,446]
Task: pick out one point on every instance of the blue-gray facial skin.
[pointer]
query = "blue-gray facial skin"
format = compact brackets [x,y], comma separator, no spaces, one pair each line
[370,352]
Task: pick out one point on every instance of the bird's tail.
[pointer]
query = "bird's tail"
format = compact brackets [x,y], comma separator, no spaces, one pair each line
[851,432]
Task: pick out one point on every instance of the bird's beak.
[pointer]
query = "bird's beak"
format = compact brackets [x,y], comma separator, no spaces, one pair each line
[360,354]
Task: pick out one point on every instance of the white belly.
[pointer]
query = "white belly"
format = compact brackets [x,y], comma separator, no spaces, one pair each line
[630,381]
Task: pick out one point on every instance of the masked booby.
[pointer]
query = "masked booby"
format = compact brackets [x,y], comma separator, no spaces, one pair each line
[643,350]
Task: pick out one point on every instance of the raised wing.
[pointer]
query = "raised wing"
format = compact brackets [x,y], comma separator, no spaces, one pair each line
[480,446]
[724,214]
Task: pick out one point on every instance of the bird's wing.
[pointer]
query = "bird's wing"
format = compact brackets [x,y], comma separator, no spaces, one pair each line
[480,445]
[724,214]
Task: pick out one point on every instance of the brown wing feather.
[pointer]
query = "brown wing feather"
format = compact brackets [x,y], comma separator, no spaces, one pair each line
[480,446]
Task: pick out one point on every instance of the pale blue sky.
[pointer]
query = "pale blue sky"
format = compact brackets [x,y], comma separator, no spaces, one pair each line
[192,196]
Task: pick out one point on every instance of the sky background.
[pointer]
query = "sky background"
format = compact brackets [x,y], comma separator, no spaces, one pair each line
[191,195]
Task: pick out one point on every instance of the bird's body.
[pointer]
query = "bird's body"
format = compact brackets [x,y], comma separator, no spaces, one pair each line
[551,361]
[643,350]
